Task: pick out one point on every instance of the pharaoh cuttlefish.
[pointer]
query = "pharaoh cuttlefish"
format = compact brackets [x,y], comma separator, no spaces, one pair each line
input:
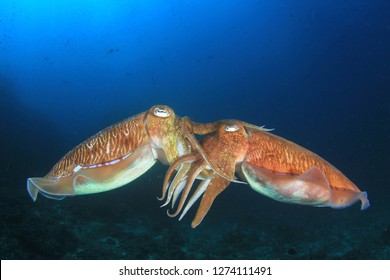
[271,165]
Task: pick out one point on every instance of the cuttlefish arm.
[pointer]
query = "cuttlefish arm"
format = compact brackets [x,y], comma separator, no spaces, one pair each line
[287,172]
[214,188]
[115,156]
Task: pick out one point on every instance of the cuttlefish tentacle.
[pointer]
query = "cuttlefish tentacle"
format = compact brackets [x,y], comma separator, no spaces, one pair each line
[179,178]
[203,185]
[216,186]
[180,164]
[176,193]
[206,174]
[194,171]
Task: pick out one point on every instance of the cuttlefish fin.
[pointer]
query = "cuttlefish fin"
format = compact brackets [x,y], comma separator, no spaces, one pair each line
[32,189]
[338,197]
[94,178]
[364,199]
[214,188]
[314,176]
[345,198]
[309,188]
[36,185]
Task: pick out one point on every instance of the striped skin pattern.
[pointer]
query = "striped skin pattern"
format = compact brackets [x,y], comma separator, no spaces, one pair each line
[112,143]
[285,157]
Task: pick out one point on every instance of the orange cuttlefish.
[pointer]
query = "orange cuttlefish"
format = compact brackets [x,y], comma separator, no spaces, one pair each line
[119,154]
[271,165]
[116,155]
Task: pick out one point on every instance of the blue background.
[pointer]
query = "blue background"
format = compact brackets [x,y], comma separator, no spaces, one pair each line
[316,71]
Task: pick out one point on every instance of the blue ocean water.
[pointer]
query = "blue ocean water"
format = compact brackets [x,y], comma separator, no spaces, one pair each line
[316,71]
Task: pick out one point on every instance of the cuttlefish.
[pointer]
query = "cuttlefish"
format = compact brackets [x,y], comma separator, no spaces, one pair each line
[117,155]
[271,165]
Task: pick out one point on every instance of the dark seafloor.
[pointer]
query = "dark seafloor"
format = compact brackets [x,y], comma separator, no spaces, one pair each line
[317,72]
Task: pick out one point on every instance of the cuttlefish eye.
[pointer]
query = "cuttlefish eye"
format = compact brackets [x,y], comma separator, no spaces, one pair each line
[232,128]
[161,112]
